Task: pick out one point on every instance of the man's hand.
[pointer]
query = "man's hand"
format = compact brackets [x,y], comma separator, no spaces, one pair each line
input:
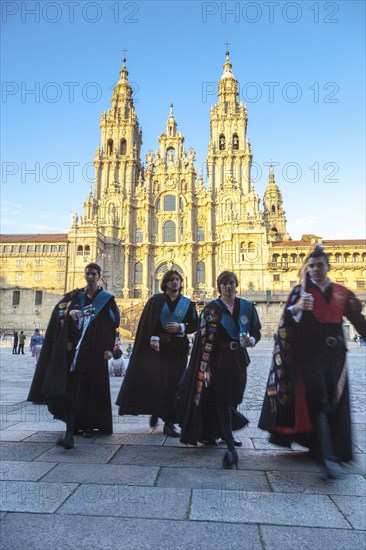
[155,345]
[75,314]
[172,328]
[306,303]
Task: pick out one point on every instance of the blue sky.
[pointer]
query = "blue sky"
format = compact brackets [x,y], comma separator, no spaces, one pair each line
[300,67]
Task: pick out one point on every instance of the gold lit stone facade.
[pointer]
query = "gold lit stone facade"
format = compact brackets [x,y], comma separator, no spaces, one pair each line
[142,219]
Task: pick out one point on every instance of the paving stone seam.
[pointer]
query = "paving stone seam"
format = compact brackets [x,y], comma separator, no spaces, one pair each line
[343,514]
[261,536]
[158,474]
[189,506]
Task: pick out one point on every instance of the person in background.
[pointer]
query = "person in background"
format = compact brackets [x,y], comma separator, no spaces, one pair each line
[15,342]
[116,364]
[159,355]
[35,345]
[307,397]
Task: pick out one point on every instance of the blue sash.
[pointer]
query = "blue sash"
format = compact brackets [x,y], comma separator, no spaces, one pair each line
[176,316]
[100,300]
[231,326]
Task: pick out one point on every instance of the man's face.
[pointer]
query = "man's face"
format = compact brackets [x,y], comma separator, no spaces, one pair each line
[91,276]
[318,269]
[228,287]
[174,283]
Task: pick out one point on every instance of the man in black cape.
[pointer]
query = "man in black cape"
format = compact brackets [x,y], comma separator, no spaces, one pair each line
[217,373]
[159,355]
[307,397]
[72,373]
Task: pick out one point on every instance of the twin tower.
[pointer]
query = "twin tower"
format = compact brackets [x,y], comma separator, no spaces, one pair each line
[143,219]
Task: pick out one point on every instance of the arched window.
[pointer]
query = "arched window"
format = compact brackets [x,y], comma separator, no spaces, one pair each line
[87,250]
[338,258]
[235,142]
[275,258]
[169,203]
[123,147]
[200,233]
[364,257]
[138,235]
[222,142]
[273,209]
[169,232]
[80,250]
[200,273]
[293,259]
[110,146]
[138,274]
[355,257]
[46,249]
[347,257]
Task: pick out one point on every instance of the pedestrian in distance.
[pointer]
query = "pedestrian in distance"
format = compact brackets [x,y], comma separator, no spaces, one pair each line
[35,345]
[15,342]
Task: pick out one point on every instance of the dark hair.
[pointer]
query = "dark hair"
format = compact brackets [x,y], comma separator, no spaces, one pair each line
[167,276]
[318,253]
[224,277]
[94,266]
[117,353]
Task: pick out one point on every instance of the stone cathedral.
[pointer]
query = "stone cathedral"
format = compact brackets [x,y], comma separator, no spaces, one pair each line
[143,219]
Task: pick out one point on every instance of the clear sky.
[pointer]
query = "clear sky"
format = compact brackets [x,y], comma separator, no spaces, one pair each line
[300,68]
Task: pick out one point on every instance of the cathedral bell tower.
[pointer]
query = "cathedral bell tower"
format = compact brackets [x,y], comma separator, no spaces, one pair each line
[274,214]
[229,157]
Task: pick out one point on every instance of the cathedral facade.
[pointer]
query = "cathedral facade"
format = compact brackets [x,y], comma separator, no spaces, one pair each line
[142,219]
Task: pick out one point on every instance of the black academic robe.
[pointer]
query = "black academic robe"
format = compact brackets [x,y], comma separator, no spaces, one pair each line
[152,377]
[216,375]
[308,374]
[83,392]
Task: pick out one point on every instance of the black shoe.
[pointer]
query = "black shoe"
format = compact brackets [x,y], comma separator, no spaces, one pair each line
[67,442]
[171,430]
[332,469]
[237,442]
[153,421]
[230,459]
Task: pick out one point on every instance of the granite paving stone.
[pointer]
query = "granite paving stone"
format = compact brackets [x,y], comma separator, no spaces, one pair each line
[24,471]
[353,508]
[308,483]
[266,507]
[81,453]
[22,451]
[131,439]
[61,532]
[169,456]
[305,538]
[15,435]
[209,479]
[131,501]
[104,474]
[30,496]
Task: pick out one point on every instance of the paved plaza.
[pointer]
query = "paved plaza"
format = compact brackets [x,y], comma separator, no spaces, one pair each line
[139,490]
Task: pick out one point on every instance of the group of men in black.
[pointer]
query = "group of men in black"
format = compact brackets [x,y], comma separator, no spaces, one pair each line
[306,399]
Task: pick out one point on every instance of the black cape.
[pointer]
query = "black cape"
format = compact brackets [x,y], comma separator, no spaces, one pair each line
[152,377]
[85,392]
[226,379]
[308,376]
